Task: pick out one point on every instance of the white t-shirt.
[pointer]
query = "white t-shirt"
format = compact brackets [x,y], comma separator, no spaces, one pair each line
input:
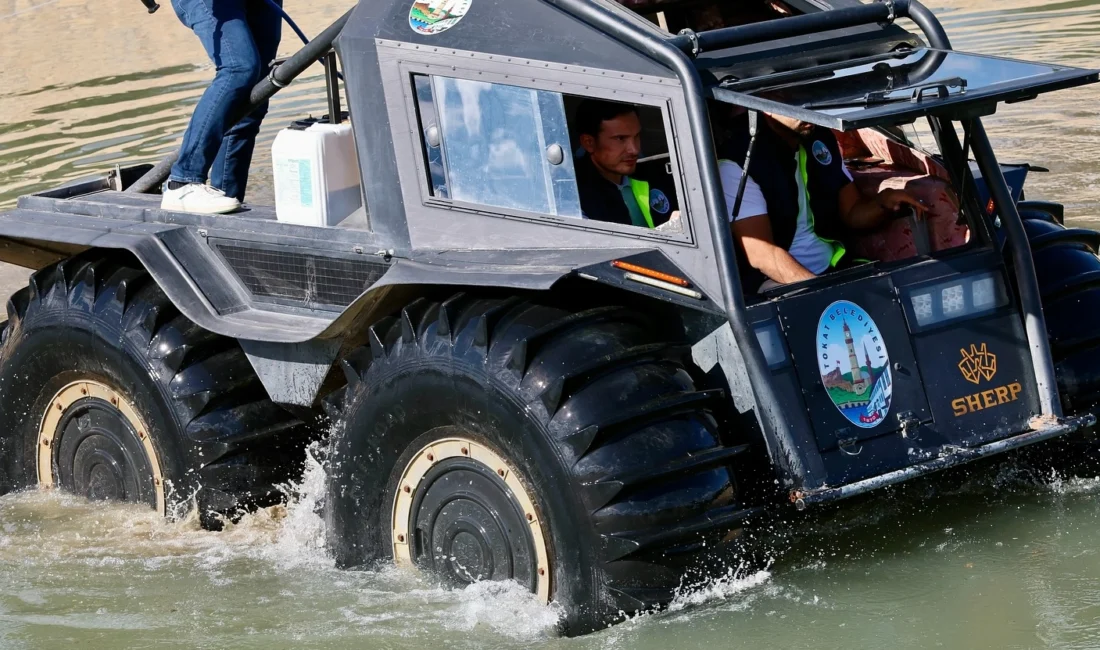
[752,204]
[806,248]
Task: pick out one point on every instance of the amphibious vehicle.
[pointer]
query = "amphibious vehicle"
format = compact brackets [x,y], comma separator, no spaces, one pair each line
[594,410]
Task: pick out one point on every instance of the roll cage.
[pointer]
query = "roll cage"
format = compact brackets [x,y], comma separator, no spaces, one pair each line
[865,96]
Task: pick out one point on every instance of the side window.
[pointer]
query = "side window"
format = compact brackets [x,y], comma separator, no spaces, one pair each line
[538,151]
[497,145]
[625,170]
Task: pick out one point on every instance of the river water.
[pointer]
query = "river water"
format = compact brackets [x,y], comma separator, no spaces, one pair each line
[997,555]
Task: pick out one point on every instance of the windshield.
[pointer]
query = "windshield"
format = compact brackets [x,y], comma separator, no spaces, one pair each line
[896,87]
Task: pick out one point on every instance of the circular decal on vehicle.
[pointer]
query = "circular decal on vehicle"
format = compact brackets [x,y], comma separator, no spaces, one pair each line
[658,202]
[434,16]
[822,153]
[854,364]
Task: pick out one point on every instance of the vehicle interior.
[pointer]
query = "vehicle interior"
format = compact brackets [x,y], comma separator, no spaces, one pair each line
[902,158]
[877,158]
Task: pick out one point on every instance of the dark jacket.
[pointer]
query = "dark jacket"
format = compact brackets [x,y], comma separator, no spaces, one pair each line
[774,167]
[601,199]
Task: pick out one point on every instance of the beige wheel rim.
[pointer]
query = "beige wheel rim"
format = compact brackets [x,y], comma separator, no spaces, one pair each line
[440,450]
[88,389]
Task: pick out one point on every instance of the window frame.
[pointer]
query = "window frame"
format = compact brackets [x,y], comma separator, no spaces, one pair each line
[663,102]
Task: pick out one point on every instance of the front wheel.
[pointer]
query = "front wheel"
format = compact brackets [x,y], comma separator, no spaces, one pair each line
[486,439]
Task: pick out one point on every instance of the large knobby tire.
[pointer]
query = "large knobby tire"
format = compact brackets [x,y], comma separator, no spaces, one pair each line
[107,391]
[506,439]
[1068,271]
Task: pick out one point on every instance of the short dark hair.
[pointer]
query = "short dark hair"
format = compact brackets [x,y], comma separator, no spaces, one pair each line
[592,113]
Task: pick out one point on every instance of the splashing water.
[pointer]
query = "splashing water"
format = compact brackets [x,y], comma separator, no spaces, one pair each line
[721,588]
[127,572]
[299,540]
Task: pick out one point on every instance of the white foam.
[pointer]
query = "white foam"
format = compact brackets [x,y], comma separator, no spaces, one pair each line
[298,538]
[734,582]
[507,608]
[1073,485]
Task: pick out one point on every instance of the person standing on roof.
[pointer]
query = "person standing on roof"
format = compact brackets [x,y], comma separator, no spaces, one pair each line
[611,135]
[798,201]
[241,37]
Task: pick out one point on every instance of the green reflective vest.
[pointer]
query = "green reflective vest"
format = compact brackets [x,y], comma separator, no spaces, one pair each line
[640,190]
[803,179]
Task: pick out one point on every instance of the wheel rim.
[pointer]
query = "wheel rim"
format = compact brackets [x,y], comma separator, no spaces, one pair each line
[93,442]
[464,513]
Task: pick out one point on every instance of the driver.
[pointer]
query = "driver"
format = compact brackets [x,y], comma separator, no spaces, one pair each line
[798,200]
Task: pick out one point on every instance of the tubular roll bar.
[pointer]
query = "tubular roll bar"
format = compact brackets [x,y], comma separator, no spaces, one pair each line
[694,43]
[887,11]
[792,463]
[676,53]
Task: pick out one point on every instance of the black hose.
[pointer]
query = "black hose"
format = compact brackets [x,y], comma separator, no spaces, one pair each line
[290,21]
[293,25]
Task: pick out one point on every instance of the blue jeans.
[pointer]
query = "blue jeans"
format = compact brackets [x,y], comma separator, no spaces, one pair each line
[242,38]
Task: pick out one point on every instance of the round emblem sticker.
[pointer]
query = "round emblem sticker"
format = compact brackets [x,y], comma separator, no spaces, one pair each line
[658,202]
[434,16]
[854,364]
[822,153]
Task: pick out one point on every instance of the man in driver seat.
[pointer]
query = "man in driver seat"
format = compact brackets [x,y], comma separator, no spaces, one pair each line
[611,135]
[798,201]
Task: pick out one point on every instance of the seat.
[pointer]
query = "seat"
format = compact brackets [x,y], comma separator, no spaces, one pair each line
[878,163]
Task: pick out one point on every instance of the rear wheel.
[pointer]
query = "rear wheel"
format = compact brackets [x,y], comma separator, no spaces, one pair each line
[503,439]
[1068,270]
[110,393]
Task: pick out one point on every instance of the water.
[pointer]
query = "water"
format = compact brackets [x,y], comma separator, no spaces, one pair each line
[989,556]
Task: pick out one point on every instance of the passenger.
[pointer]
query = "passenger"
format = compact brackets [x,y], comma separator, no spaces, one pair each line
[241,37]
[798,201]
[611,135]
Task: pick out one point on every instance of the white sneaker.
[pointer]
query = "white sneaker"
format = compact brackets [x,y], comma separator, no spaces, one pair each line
[199,198]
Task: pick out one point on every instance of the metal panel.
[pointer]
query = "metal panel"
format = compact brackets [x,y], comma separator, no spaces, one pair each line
[983,378]
[292,373]
[434,224]
[299,275]
[800,316]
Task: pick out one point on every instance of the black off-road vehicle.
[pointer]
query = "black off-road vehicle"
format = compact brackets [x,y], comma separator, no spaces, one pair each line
[594,410]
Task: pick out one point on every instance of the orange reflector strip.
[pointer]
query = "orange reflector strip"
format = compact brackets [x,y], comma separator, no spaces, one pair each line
[650,273]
